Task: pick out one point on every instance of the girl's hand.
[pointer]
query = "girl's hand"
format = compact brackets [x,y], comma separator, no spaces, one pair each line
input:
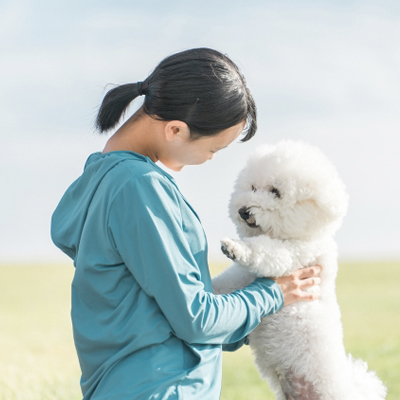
[293,286]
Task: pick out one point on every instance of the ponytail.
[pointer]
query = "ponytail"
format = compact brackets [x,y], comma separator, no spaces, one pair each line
[114,104]
[201,87]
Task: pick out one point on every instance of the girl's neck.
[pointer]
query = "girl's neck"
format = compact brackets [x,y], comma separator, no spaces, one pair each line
[138,134]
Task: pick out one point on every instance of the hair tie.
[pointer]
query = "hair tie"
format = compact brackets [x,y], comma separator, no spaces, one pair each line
[139,88]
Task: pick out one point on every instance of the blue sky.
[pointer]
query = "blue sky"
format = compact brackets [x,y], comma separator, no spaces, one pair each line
[325,72]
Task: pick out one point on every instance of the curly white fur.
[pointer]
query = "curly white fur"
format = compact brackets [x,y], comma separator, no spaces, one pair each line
[287,204]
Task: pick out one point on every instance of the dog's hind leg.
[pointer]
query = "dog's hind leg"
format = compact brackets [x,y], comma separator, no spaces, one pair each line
[271,375]
[296,387]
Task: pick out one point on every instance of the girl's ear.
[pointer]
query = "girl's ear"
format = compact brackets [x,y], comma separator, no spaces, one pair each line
[176,130]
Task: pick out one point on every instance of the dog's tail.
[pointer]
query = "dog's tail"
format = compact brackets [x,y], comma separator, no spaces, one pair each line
[368,384]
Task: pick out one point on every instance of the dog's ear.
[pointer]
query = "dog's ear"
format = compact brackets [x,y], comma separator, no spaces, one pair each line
[330,201]
[330,211]
[326,206]
[305,193]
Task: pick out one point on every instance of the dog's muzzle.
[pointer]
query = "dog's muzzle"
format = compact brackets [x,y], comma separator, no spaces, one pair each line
[247,217]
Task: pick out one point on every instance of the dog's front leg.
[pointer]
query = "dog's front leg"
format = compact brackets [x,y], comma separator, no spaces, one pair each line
[236,250]
[262,255]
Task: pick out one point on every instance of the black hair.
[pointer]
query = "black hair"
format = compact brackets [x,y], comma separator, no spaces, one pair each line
[201,87]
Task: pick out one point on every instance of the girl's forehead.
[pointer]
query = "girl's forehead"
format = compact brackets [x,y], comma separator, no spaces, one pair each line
[227,136]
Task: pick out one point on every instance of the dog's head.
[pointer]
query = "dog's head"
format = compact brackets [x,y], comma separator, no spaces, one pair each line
[288,191]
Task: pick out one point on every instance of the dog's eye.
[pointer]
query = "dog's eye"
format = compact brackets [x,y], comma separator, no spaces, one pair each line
[276,192]
[253,188]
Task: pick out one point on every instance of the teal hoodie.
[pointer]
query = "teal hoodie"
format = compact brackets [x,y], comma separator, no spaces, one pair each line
[146,323]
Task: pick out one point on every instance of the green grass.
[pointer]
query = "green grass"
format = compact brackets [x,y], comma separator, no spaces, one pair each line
[38,359]
[37,355]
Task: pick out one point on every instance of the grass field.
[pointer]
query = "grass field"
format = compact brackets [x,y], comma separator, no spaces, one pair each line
[38,360]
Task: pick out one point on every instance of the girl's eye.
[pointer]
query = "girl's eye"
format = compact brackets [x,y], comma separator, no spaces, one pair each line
[276,192]
[253,188]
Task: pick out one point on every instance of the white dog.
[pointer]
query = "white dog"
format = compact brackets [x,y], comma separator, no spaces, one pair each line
[287,203]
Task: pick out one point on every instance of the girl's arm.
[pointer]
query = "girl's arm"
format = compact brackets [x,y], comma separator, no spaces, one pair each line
[145,225]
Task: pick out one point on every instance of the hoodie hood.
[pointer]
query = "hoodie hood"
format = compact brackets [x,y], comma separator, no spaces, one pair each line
[69,217]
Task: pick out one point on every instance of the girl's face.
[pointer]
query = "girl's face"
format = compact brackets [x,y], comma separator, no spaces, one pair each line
[185,151]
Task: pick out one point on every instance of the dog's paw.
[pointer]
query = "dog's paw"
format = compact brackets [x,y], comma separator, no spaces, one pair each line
[230,248]
[227,252]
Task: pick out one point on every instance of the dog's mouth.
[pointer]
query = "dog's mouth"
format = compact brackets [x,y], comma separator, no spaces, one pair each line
[247,217]
[251,224]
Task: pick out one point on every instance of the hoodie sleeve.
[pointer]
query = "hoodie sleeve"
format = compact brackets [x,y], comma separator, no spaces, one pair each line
[146,228]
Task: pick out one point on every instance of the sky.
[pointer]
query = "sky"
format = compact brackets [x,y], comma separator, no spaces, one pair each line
[325,72]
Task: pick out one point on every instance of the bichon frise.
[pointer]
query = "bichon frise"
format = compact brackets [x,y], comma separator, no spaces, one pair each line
[287,204]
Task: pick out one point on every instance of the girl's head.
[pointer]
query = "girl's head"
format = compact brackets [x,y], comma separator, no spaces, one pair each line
[201,87]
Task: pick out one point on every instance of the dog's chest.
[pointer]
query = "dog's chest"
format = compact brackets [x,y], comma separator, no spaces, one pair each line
[288,325]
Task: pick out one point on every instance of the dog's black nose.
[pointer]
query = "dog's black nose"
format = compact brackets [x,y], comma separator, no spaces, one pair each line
[244,212]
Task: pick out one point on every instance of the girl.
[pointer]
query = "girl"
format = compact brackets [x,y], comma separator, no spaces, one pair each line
[145,320]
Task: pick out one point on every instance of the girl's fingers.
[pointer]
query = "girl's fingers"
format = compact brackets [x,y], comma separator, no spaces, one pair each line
[293,286]
[299,295]
[304,283]
[310,296]
[308,272]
